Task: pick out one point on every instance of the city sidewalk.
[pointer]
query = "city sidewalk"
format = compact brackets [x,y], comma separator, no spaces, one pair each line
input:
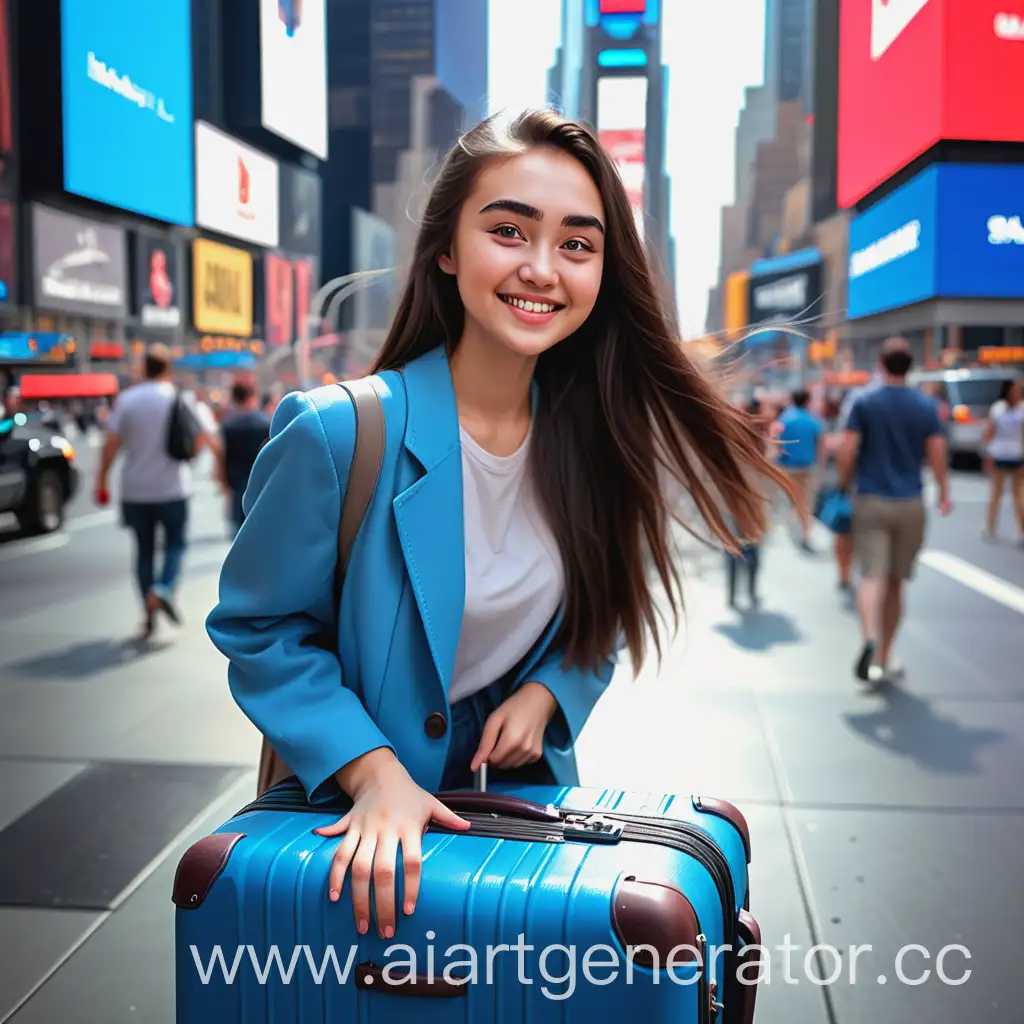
[757,708]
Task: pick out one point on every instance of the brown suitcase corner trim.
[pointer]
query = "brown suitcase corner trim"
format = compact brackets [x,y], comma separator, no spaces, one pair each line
[201,866]
[731,813]
[657,915]
[750,935]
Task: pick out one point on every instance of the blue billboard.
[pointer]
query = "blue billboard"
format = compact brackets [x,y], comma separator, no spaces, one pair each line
[127,105]
[953,231]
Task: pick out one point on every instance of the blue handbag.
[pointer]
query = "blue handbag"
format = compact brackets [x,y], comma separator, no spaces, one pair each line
[834,510]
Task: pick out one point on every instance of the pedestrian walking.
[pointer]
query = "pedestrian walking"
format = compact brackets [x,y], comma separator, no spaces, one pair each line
[891,432]
[530,387]
[244,431]
[155,485]
[1004,454]
[801,453]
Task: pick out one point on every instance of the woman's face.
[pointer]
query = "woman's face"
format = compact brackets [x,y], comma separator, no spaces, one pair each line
[528,251]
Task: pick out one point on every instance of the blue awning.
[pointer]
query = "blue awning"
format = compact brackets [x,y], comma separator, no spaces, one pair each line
[780,264]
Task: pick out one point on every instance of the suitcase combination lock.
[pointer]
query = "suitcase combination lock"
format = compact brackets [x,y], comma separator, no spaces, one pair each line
[592,828]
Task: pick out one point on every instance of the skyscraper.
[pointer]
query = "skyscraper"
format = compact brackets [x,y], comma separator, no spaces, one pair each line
[608,72]
[788,59]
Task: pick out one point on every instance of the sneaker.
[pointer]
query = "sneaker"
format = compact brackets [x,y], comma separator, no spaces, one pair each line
[862,670]
[166,603]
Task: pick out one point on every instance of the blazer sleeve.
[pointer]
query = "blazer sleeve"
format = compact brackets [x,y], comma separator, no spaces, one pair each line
[275,601]
[576,690]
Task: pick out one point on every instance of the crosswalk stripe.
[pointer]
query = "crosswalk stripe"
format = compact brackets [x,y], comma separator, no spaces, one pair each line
[980,581]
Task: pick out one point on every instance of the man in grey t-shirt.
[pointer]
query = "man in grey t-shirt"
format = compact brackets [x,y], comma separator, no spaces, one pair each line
[155,489]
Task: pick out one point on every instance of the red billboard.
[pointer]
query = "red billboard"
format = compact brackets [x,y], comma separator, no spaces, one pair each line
[914,72]
[623,7]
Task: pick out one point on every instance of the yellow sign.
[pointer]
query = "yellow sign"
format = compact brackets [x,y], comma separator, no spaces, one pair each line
[221,289]
[1001,354]
[737,310]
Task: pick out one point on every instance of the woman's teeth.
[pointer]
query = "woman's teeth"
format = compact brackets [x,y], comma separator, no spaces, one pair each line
[529,307]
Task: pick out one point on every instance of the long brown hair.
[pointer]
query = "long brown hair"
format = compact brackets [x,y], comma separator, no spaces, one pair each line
[607,393]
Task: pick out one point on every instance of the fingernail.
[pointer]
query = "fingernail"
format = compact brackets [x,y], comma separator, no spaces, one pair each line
[388,932]
[334,894]
[410,907]
[363,925]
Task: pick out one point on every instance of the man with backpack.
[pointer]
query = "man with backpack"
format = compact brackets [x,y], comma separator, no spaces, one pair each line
[159,433]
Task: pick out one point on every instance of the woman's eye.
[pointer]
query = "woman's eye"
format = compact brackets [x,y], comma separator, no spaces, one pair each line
[578,245]
[507,231]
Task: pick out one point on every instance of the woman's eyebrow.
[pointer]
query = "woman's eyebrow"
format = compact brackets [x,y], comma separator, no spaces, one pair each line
[573,220]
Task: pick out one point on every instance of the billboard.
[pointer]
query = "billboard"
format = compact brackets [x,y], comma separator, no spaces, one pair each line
[293,72]
[127,105]
[158,281]
[300,205]
[6,95]
[622,131]
[914,72]
[221,289]
[785,289]
[279,302]
[236,188]
[78,265]
[953,231]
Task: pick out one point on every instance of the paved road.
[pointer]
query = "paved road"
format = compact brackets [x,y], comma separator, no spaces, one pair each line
[878,818]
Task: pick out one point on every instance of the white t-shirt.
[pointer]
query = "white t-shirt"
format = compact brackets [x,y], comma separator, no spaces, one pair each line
[1008,436]
[140,419]
[514,574]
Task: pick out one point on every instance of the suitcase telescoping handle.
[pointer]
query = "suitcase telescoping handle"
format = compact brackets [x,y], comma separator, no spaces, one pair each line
[480,801]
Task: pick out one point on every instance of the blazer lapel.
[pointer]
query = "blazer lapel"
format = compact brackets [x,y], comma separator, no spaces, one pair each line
[429,513]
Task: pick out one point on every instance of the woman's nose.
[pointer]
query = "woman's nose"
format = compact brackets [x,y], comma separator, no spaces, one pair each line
[538,270]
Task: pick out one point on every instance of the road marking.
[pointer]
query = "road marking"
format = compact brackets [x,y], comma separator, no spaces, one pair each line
[88,521]
[978,580]
[19,548]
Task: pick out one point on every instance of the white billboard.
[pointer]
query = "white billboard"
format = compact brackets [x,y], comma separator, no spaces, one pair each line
[293,72]
[622,130]
[236,188]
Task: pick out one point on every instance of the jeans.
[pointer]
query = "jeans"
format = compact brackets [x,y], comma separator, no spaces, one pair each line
[142,519]
[467,719]
[751,560]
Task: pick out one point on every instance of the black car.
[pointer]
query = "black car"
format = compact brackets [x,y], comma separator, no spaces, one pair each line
[37,472]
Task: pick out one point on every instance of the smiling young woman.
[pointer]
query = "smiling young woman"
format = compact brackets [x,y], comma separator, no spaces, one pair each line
[542,424]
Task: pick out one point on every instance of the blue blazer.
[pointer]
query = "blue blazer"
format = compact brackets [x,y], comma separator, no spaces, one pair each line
[402,603]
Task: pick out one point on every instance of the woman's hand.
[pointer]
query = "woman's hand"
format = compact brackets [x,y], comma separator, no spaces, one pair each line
[388,809]
[514,732]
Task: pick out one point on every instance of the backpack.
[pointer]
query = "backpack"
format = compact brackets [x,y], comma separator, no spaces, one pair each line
[359,489]
[183,429]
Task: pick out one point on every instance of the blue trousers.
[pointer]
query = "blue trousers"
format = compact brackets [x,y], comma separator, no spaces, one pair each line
[468,717]
[143,519]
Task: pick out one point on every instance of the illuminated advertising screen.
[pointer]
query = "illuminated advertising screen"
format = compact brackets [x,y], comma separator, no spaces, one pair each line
[293,72]
[158,279]
[127,105]
[279,301]
[222,288]
[236,188]
[914,72]
[622,130]
[622,6]
[953,231]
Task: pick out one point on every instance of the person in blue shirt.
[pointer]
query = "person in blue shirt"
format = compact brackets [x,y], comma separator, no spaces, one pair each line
[800,444]
[891,432]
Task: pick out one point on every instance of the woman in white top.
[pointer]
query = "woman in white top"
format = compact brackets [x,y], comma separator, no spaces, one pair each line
[1004,451]
[536,399]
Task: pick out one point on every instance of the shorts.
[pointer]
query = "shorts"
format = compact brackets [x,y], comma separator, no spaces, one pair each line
[888,534]
[1008,465]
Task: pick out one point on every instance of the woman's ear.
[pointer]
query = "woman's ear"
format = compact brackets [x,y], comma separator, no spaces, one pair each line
[446,263]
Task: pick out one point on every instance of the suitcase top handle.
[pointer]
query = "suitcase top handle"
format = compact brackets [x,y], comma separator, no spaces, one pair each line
[471,801]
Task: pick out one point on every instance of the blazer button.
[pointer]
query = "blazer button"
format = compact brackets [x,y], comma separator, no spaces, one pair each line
[436,725]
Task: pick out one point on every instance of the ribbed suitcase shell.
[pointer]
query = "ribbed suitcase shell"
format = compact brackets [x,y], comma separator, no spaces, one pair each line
[260,882]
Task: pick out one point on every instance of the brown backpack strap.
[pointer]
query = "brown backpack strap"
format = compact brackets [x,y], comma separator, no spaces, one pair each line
[367,458]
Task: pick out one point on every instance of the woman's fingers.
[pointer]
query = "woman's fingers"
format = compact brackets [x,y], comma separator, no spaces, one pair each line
[339,865]
[384,882]
[360,873]
[412,863]
[447,817]
[488,739]
[336,829]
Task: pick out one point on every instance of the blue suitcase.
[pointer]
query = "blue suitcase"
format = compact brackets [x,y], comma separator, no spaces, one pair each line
[558,904]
